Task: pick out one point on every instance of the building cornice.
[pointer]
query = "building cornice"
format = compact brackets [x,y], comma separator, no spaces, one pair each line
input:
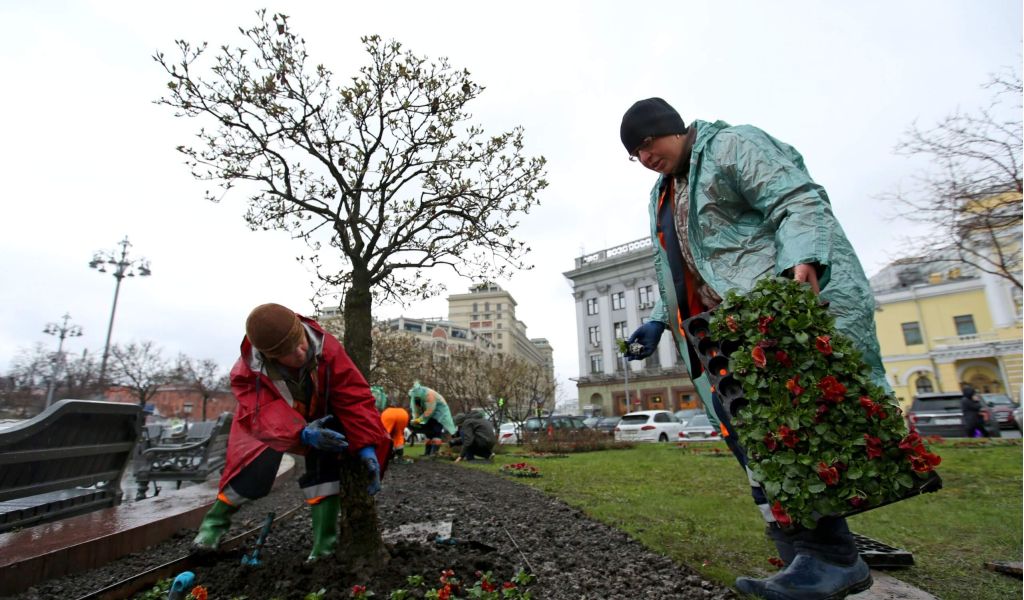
[929,291]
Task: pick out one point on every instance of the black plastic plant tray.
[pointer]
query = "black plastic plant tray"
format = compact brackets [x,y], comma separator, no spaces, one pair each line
[714,357]
[881,556]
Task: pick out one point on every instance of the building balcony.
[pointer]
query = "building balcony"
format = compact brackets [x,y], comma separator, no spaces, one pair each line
[970,339]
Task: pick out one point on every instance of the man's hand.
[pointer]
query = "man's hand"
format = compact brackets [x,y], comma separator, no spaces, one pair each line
[417,421]
[318,436]
[647,336]
[807,273]
[369,457]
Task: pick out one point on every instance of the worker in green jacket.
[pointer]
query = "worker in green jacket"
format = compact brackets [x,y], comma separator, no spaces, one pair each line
[733,205]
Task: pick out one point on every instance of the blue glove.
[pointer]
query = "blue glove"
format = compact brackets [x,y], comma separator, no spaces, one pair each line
[647,335]
[369,457]
[318,436]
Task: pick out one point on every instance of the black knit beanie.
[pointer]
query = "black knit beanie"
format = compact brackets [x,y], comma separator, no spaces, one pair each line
[649,118]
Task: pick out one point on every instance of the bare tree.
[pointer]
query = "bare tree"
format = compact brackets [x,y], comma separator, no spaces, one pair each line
[81,376]
[385,169]
[204,376]
[140,367]
[971,198]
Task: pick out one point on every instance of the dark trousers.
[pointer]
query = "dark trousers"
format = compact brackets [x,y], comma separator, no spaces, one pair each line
[256,478]
[475,450]
[829,540]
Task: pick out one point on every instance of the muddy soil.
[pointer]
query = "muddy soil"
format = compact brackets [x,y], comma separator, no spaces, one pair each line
[497,525]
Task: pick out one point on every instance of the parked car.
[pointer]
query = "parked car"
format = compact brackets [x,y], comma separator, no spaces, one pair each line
[699,429]
[607,425]
[508,433]
[1002,409]
[648,426]
[591,421]
[940,414]
[552,424]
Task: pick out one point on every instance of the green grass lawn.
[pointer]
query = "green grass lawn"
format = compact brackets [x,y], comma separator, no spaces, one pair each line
[697,509]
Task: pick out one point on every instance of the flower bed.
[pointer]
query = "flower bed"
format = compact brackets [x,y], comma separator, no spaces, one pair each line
[820,436]
[520,470]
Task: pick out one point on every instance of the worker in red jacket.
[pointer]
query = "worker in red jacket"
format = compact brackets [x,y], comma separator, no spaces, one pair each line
[298,392]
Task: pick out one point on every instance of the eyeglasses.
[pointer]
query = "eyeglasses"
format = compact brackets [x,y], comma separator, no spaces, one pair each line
[644,146]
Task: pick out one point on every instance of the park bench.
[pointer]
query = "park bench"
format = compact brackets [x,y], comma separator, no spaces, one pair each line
[202,451]
[65,461]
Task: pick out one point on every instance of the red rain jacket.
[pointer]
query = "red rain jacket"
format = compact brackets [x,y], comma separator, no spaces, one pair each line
[265,419]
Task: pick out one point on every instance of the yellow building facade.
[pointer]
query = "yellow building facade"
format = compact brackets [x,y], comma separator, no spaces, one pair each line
[941,330]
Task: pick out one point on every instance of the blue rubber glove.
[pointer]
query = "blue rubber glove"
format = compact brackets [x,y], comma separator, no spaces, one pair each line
[369,457]
[318,436]
[647,335]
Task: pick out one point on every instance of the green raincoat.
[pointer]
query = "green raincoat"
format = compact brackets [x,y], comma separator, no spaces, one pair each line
[755,212]
[427,404]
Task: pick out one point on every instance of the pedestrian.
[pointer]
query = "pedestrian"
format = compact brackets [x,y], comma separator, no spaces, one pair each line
[395,419]
[733,205]
[430,416]
[297,392]
[971,406]
[475,436]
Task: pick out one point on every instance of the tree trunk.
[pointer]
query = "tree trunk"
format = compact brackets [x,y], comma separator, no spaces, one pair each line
[359,320]
[360,546]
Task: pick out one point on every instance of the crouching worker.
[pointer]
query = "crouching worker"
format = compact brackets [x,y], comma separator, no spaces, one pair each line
[395,419]
[297,392]
[430,416]
[476,436]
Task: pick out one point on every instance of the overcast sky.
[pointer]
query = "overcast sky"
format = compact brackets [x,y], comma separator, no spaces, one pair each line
[88,158]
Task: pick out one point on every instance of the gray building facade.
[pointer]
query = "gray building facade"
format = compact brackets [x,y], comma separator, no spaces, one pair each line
[615,290]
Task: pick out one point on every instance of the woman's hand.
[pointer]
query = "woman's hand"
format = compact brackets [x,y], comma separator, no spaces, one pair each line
[807,273]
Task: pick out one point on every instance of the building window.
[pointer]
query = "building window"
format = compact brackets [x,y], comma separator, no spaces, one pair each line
[499,306]
[499,336]
[591,306]
[499,325]
[487,306]
[965,325]
[912,333]
[474,307]
[594,335]
[924,385]
[499,345]
[595,363]
[414,327]
[618,300]
[620,330]
[645,295]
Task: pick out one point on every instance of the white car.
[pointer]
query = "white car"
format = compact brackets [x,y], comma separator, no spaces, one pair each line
[698,429]
[508,433]
[648,426]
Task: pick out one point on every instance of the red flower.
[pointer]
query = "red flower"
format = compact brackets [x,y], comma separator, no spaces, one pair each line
[769,440]
[763,323]
[781,516]
[831,390]
[508,585]
[358,590]
[873,408]
[793,385]
[445,593]
[924,462]
[830,475]
[448,573]
[776,562]
[783,358]
[911,442]
[824,344]
[759,358]
[874,446]
[788,436]
[199,592]
[857,501]
[730,322]
[487,586]
[819,415]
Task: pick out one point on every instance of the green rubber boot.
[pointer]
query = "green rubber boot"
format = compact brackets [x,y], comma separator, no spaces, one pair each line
[215,524]
[325,527]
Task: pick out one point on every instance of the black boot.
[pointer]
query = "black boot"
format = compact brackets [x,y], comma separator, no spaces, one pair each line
[810,578]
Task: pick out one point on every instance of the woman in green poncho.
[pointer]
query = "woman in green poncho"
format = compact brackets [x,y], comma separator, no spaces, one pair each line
[430,416]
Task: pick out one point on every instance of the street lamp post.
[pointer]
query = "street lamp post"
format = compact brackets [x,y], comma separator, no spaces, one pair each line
[121,267]
[61,331]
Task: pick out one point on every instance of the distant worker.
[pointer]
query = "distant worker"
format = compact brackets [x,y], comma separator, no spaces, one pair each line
[430,416]
[297,392]
[395,419]
[970,404]
[475,437]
